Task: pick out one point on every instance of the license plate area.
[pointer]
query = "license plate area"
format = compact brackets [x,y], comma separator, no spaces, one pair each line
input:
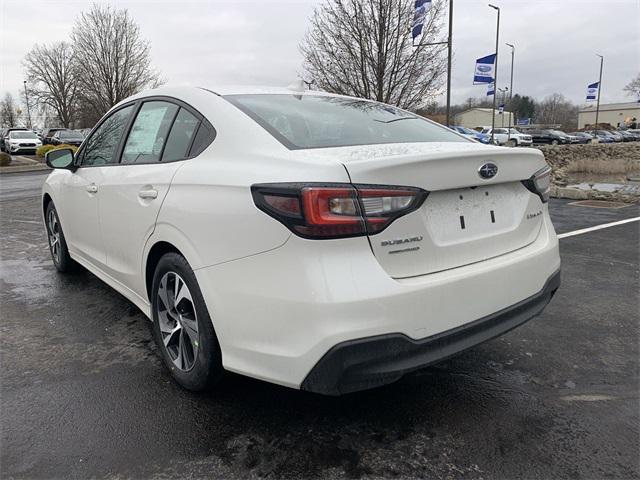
[459,215]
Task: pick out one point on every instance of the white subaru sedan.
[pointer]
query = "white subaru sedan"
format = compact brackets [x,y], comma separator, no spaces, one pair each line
[316,241]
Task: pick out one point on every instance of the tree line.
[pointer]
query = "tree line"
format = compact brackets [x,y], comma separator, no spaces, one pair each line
[74,83]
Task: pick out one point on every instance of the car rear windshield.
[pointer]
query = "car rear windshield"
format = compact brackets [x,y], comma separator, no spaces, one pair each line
[314,121]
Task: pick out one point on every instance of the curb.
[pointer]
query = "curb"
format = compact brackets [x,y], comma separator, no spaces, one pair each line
[578,194]
[23,169]
[30,166]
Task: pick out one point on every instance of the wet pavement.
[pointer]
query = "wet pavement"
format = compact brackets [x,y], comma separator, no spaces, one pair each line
[84,393]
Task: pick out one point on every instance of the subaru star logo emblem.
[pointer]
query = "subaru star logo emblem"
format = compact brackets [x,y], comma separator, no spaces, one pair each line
[488,170]
[484,68]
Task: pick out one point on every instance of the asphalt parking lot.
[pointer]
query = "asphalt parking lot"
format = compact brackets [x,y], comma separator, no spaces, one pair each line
[85,395]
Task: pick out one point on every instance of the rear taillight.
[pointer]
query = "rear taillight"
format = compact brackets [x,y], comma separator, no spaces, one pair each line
[540,183]
[313,210]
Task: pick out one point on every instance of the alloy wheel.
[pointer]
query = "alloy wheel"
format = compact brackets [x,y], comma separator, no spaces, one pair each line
[54,236]
[178,321]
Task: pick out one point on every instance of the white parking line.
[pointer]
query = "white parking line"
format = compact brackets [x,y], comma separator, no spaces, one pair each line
[598,227]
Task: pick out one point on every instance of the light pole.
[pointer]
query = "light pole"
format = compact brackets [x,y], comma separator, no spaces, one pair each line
[513,50]
[495,74]
[26,96]
[599,91]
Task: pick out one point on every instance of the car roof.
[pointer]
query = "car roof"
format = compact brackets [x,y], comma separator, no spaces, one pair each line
[222,90]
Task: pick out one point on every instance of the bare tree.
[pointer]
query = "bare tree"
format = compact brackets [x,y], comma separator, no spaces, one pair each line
[557,110]
[8,111]
[52,74]
[364,48]
[633,87]
[113,60]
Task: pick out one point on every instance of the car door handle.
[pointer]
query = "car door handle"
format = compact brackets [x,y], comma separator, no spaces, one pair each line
[93,188]
[149,193]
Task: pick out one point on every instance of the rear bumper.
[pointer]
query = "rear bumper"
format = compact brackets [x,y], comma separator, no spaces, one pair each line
[277,314]
[371,362]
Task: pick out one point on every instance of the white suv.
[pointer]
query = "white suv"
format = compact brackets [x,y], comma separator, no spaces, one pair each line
[316,241]
[510,137]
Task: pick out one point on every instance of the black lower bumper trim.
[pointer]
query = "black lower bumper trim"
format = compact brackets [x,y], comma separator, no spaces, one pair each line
[374,361]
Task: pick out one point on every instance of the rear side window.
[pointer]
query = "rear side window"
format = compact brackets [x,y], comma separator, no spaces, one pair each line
[149,132]
[101,146]
[180,137]
[204,137]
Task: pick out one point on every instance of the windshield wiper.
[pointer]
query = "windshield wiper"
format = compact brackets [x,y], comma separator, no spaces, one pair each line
[395,119]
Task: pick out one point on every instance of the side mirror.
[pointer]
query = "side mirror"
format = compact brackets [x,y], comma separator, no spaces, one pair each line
[62,158]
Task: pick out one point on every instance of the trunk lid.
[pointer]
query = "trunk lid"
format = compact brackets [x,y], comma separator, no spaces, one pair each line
[466,218]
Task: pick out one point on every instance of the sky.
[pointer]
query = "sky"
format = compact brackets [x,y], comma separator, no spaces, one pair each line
[249,42]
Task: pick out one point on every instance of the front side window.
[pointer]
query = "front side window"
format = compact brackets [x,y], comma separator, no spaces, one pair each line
[149,132]
[314,121]
[180,137]
[101,146]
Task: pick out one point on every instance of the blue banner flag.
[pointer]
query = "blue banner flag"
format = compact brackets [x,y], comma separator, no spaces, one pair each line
[501,108]
[592,91]
[491,89]
[485,68]
[419,16]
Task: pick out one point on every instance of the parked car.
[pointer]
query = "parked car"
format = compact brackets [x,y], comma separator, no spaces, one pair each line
[472,134]
[47,134]
[601,136]
[611,135]
[582,137]
[4,136]
[68,137]
[628,136]
[347,243]
[616,135]
[22,142]
[510,137]
[549,137]
[573,138]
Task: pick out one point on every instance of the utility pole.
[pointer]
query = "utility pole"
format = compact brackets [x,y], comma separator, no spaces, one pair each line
[495,74]
[449,57]
[513,50]
[26,95]
[599,91]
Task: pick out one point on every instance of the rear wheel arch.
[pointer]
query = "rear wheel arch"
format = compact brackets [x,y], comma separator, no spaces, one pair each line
[153,257]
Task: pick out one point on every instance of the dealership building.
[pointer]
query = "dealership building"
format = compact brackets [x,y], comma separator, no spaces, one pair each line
[481,117]
[611,113]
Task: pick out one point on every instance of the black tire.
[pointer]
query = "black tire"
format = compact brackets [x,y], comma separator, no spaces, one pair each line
[60,254]
[554,142]
[512,143]
[206,370]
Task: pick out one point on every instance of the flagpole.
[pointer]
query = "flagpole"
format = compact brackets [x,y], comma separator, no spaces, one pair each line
[513,50]
[495,74]
[599,90]
[449,55]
